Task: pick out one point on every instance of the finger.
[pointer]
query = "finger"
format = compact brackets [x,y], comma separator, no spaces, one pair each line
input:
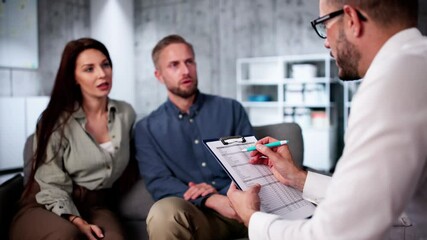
[197,194]
[90,234]
[262,141]
[97,230]
[255,153]
[192,189]
[268,152]
[232,189]
[204,191]
[259,160]
[208,192]
[187,195]
[266,140]
[255,188]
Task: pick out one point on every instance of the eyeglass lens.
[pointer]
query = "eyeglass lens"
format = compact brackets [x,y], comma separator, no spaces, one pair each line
[321,29]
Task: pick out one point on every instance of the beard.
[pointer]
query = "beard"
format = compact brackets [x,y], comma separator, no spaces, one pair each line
[347,58]
[184,93]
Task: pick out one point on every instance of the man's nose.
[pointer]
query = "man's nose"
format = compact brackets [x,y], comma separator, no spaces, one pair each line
[326,43]
[185,69]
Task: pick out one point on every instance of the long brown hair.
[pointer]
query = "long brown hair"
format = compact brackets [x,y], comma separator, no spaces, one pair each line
[66,95]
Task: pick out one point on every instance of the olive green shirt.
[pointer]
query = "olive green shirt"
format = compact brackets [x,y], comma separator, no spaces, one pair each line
[80,159]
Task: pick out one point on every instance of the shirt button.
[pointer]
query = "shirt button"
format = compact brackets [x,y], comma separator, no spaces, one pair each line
[196,141]
[108,166]
[191,120]
[203,164]
[114,136]
[116,148]
[180,116]
[213,182]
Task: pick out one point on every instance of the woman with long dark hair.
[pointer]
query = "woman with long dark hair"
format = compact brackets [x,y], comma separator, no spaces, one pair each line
[81,148]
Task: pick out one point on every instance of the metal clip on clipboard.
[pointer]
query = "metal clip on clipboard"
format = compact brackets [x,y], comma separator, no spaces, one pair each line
[232,139]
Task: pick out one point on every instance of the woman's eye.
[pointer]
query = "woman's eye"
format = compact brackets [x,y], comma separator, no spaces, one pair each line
[106,65]
[89,69]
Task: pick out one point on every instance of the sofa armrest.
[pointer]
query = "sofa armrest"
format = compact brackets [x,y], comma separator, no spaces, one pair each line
[10,192]
[286,130]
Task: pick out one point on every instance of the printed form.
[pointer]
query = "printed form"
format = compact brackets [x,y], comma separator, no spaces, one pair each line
[276,198]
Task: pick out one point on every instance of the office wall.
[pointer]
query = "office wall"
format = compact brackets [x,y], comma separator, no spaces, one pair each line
[59,22]
[221,31]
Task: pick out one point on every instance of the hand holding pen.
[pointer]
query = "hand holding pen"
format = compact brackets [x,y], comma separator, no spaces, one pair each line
[280,161]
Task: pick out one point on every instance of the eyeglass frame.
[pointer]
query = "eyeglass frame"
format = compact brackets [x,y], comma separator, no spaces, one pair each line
[324,18]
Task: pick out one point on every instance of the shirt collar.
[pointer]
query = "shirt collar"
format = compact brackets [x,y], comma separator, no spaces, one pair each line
[80,113]
[397,41]
[194,108]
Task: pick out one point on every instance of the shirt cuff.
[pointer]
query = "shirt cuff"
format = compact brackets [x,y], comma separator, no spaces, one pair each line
[315,187]
[203,201]
[259,224]
[63,207]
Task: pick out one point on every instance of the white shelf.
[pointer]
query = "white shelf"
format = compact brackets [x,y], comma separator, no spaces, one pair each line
[300,84]
[258,82]
[261,104]
[306,80]
[350,89]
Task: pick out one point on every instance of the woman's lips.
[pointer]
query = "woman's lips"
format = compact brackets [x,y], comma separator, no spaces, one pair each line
[103,86]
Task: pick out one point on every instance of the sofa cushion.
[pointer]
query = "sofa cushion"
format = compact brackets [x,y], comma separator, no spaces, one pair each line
[136,203]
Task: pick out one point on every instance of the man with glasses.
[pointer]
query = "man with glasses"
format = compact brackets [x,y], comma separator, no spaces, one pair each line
[382,173]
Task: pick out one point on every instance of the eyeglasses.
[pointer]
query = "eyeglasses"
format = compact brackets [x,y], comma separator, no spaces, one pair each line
[319,24]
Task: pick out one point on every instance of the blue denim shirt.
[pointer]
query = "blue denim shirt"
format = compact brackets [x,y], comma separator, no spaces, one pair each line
[170,149]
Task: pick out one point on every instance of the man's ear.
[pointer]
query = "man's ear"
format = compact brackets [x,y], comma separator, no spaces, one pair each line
[158,75]
[353,23]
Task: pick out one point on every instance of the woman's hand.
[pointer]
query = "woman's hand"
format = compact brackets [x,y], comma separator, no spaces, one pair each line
[92,232]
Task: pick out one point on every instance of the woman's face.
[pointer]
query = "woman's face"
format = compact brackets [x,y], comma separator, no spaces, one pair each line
[93,74]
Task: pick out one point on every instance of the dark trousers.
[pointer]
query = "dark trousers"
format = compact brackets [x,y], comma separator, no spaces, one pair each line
[33,221]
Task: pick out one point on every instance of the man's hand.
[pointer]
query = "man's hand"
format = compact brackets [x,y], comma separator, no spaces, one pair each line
[280,161]
[196,190]
[222,205]
[92,232]
[245,203]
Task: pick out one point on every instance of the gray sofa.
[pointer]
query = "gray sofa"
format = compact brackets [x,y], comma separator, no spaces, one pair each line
[135,204]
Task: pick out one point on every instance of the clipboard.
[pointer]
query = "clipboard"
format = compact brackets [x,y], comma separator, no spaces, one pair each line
[276,198]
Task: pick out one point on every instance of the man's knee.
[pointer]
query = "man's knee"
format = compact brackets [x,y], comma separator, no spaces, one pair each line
[169,209]
[176,217]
